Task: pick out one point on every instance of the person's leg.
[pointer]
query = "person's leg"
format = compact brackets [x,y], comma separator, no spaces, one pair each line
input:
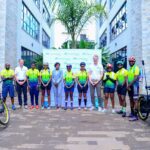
[49,97]
[71,99]
[106,100]
[19,91]
[59,94]
[66,99]
[36,93]
[112,100]
[85,99]
[4,92]
[24,88]
[130,92]
[92,93]
[100,100]
[79,96]
[42,97]
[32,95]
[55,90]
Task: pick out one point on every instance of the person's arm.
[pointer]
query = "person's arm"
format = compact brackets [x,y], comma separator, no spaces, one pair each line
[77,79]
[60,78]
[101,75]
[49,79]
[53,81]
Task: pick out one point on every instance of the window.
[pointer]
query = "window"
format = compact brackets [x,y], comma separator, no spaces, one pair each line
[37,3]
[45,39]
[119,23]
[102,18]
[47,3]
[121,54]
[28,56]
[103,39]
[112,2]
[29,23]
[46,14]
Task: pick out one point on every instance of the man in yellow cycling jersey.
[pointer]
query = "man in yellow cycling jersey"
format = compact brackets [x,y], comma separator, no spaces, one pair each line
[7,76]
[133,87]
[122,75]
[33,85]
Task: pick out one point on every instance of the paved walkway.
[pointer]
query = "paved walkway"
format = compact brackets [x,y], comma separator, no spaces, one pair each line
[73,130]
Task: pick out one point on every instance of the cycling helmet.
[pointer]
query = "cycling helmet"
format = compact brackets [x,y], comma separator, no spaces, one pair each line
[69,65]
[82,64]
[132,58]
[109,66]
[120,62]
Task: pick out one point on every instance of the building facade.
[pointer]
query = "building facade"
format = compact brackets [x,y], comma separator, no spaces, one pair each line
[24,30]
[126,31]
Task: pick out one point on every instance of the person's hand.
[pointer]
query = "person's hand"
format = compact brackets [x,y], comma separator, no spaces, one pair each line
[129,88]
[21,83]
[37,87]
[56,85]
[29,88]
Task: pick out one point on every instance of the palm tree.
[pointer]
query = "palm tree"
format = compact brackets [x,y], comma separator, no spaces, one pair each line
[74,15]
[105,56]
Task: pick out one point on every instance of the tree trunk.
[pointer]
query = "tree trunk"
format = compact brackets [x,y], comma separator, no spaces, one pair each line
[73,41]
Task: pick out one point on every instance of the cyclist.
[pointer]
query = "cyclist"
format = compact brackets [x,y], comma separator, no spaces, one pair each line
[45,79]
[133,87]
[69,84]
[7,76]
[109,87]
[122,76]
[33,85]
[82,79]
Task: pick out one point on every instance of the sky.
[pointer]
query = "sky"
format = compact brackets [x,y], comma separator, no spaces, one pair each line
[60,35]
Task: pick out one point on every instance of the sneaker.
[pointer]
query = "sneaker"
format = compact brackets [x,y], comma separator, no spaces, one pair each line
[124,114]
[104,110]
[42,107]
[133,118]
[113,111]
[85,108]
[100,109]
[92,108]
[79,108]
[25,107]
[31,107]
[120,112]
[48,108]
[13,107]
[18,107]
[130,115]
[37,106]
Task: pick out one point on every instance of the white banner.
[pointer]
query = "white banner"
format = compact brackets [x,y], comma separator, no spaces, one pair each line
[73,57]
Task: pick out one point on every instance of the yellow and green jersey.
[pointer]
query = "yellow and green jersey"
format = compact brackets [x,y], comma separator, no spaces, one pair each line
[45,75]
[132,72]
[82,77]
[69,78]
[109,83]
[33,75]
[121,76]
[7,74]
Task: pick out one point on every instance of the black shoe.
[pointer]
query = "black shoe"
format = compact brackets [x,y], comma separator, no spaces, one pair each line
[120,112]
[124,114]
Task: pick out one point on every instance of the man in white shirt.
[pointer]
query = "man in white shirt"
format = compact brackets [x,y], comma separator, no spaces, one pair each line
[96,73]
[21,81]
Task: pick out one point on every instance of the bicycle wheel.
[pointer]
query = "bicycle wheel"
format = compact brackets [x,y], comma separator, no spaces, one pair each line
[142,111]
[4,115]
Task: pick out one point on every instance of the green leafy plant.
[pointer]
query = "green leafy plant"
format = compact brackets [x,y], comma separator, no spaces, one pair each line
[39,61]
[75,14]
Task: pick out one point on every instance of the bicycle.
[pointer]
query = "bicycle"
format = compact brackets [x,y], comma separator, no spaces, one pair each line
[4,112]
[144,101]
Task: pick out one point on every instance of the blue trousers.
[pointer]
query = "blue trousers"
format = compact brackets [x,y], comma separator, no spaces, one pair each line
[34,94]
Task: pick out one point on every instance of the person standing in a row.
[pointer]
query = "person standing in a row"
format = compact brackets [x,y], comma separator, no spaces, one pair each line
[21,81]
[82,80]
[45,79]
[7,76]
[57,78]
[33,85]
[69,83]
[96,73]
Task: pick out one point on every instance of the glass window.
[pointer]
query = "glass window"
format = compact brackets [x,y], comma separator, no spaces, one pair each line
[103,39]
[46,14]
[37,2]
[119,23]
[28,56]
[121,54]
[45,39]
[112,2]
[29,23]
